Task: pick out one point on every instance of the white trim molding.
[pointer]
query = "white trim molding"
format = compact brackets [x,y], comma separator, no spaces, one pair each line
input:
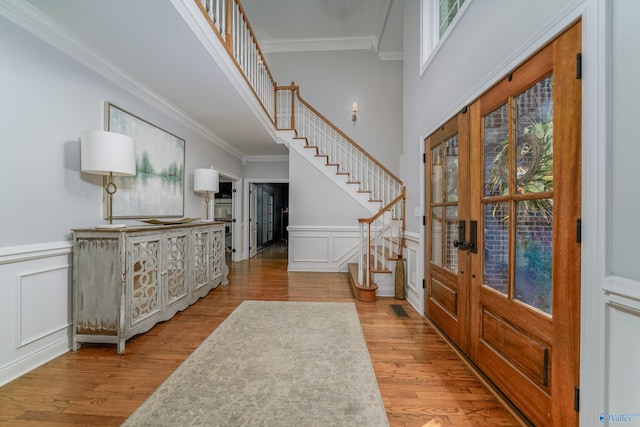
[413,291]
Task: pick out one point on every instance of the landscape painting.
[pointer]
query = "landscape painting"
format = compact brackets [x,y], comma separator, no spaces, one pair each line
[157,190]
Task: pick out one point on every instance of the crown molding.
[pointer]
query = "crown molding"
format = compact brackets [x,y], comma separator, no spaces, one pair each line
[329,45]
[266,159]
[318,44]
[391,56]
[33,20]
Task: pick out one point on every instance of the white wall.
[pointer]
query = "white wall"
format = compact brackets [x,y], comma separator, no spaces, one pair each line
[47,99]
[332,81]
[625,144]
[314,200]
[276,168]
[611,276]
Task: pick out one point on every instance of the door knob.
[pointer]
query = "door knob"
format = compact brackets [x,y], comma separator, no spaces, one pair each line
[463,246]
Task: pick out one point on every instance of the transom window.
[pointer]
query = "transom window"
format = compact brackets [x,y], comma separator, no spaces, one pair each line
[436,16]
[448,9]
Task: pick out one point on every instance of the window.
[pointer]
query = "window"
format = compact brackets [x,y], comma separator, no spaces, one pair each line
[436,16]
[448,9]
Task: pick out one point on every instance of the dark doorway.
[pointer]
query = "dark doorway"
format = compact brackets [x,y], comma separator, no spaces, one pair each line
[272,213]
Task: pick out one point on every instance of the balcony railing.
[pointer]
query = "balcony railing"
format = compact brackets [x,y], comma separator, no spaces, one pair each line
[228,19]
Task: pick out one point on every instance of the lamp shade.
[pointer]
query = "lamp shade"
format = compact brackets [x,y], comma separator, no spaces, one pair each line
[206,180]
[102,152]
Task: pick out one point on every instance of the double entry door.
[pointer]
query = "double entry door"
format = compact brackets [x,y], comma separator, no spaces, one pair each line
[502,259]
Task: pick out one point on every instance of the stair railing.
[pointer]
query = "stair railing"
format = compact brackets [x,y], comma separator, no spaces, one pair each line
[231,25]
[372,177]
[381,239]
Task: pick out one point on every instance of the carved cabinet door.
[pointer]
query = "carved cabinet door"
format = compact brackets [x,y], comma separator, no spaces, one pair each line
[143,278]
[174,267]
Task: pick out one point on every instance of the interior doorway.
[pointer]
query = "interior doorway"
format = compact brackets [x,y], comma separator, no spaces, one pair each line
[268,215]
[224,211]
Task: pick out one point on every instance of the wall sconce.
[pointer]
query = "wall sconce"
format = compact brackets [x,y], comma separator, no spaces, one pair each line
[207,181]
[354,113]
[107,153]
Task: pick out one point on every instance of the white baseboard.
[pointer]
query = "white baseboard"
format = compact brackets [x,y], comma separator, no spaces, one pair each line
[32,360]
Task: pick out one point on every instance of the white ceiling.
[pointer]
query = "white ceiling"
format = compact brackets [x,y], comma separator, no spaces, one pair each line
[149,42]
[303,25]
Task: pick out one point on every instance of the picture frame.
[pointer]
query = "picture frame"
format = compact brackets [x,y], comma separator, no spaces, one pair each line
[157,190]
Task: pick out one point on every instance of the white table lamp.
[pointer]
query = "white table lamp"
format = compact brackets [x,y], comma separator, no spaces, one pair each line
[107,153]
[207,181]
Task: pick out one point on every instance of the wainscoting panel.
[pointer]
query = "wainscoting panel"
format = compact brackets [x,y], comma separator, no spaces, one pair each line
[622,323]
[322,248]
[35,310]
[310,249]
[51,288]
[413,273]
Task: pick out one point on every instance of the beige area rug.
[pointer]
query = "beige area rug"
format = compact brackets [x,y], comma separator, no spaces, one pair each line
[273,364]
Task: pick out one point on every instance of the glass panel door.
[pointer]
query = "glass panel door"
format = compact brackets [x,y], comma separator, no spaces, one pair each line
[446,295]
[525,193]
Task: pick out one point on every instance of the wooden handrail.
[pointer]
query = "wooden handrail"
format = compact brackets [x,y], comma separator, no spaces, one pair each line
[385,209]
[334,127]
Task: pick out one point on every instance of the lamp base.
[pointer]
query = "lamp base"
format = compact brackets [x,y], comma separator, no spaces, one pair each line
[111,226]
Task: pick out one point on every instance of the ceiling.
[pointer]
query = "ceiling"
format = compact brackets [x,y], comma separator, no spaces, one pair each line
[304,25]
[150,45]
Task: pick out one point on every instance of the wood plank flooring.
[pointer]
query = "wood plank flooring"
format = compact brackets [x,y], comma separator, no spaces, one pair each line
[422,380]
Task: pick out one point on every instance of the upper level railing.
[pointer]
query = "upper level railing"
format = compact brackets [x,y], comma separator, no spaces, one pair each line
[293,112]
[231,25]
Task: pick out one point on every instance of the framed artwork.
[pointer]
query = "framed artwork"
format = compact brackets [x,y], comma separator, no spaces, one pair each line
[157,190]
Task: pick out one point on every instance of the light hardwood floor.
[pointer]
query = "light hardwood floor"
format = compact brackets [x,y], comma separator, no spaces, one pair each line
[422,380]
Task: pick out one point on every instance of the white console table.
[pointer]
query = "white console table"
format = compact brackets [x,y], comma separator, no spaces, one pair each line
[126,280]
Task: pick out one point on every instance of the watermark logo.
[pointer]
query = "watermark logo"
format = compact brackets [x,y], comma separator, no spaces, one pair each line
[622,417]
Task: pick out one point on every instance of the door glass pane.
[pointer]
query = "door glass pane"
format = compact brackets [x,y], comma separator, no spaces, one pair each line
[437,174]
[436,235]
[451,252]
[496,247]
[451,160]
[496,152]
[533,255]
[534,138]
